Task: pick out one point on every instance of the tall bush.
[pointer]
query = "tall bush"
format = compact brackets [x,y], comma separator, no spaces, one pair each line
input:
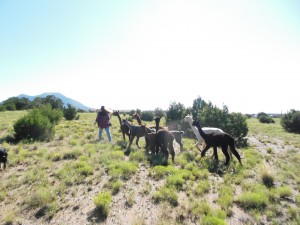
[34,126]
[291,121]
[38,124]
[70,112]
[264,118]
[147,115]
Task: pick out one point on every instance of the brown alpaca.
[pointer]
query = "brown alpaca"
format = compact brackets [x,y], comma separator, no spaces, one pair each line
[162,140]
[136,131]
[177,134]
[215,140]
[124,128]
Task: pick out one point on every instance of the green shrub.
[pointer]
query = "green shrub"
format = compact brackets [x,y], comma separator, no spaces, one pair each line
[34,126]
[266,119]
[54,115]
[291,121]
[38,124]
[102,202]
[147,116]
[70,112]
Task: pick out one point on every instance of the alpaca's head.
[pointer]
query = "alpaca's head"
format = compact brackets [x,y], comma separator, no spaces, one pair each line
[196,123]
[188,118]
[116,113]
[135,116]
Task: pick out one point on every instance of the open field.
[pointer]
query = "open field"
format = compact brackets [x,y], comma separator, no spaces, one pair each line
[58,182]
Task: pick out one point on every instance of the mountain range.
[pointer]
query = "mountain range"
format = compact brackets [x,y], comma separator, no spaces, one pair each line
[64,99]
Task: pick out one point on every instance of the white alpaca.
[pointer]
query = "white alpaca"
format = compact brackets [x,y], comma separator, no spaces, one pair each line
[206,130]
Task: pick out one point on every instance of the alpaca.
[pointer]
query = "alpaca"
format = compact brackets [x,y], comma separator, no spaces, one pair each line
[216,139]
[3,157]
[206,130]
[177,134]
[163,140]
[124,128]
[135,131]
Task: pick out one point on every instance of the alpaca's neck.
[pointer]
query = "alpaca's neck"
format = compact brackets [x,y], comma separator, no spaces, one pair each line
[138,119]
[203,135]
[118,115]
[195,130]
[128,124]
[157,125]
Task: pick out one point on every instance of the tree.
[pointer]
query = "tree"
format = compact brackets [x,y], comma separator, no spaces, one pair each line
[70,112]
[147,115]
[291,121]
[56,103]
[175,114]
[264,118]
[159,112]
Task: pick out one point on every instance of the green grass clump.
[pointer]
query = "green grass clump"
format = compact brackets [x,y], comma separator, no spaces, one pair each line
[71,154]
[176,181]
[102,202]
[225,199]
[116,186]
[138,156]
[210,220]
[159,172]
[167,194]
[122,169]
[202,187]
[284,192]
[267,179]
[251,200]
[40,198]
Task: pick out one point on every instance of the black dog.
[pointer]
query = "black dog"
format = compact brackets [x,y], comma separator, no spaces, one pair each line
[3,157]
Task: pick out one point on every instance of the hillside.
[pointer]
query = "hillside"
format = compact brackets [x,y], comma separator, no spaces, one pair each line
[56,182]
[64,99]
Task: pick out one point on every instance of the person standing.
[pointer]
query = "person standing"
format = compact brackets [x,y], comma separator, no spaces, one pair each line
[103,121]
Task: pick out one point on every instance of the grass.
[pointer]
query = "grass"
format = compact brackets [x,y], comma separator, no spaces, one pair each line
[252,200]
[102,202]
[77,167]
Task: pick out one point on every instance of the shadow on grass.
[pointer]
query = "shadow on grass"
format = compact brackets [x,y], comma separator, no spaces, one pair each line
[156,160]
[96,216]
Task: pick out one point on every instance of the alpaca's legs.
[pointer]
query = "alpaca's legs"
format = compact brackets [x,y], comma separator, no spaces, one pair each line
[205,150]
[171,148]
[137,141]
[166,153]
[197,146]
[216,154]
[130,141]
[225,152]
[237,155]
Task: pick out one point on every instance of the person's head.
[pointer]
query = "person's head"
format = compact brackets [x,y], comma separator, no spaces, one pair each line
[102,109]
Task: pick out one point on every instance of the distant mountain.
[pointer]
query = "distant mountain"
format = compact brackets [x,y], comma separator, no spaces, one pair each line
[64,99]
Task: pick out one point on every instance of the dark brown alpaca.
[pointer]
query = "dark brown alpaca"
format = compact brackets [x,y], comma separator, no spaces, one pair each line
[163,141]
[124,128]
[177,134]
[215,140]
[3,157]
[136,131]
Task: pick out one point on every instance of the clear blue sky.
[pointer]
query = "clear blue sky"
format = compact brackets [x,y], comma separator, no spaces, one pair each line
[147,54]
